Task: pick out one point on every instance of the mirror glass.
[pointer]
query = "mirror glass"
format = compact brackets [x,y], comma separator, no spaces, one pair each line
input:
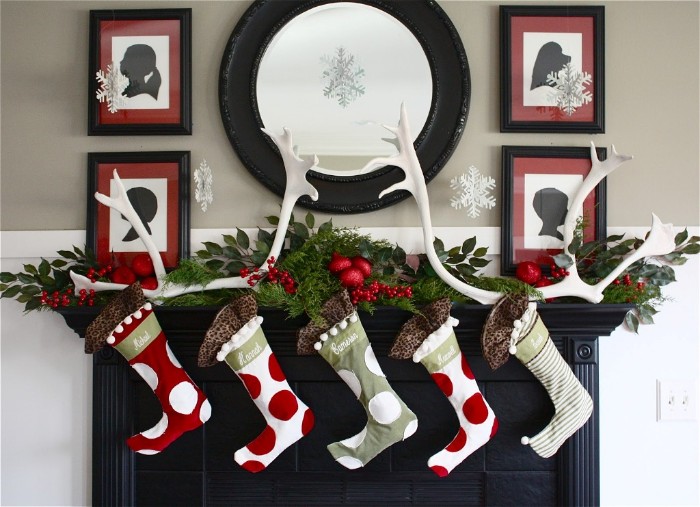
[334,74]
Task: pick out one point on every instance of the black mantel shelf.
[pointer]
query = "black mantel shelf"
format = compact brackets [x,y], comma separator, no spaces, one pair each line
[198,469]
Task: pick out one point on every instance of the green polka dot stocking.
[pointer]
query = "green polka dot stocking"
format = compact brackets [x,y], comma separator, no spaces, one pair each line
[346,348]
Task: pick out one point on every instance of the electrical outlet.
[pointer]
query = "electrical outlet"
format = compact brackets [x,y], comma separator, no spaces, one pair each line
[676,400]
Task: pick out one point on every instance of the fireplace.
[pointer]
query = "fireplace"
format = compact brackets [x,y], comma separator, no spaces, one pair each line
[198,469]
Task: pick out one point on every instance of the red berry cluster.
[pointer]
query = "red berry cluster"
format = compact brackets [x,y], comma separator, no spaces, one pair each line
[274,275]
[371,292]
[94,275]
[627,280]
[558,272]
[56,298]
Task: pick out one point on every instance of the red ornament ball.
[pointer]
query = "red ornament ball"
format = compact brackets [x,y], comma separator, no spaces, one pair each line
[543,282]
[351,277]
[528,272]
[149,283]
[142,265]
[338,263]
[362,264]
[123,274]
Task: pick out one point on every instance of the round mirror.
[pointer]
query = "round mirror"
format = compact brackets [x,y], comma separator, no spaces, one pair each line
[333,72]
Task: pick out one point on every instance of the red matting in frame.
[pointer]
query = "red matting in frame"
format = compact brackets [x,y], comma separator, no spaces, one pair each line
[167,170]
[533,165]
[554,24]
[146,27]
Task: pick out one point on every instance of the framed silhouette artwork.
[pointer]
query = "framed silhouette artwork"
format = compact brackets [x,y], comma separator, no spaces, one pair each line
[539,184]
[140,72]
[157,186]
[552,69]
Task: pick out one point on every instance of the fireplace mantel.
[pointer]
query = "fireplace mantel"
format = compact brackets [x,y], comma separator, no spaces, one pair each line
[199,467]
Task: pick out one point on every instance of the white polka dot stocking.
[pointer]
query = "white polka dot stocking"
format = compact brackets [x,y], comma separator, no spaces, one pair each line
[442,357]
[346,348]
[288,418]
[141,341]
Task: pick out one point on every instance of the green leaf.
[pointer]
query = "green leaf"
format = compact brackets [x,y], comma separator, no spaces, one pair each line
[59,263]
[3,286]
[468,245]
[79,252]
[230,240]
[691,249]
[235,267]
[265,237]
[30,269]
[479,263]
[214,264]
[632,322]
[399,255]
[455,251]
[25,278]
[481,251]
[325,227]
[203,254]
[310,220]
[365,248]
[67,254]
[11,291]
[263,248]
[465,270]
[213,248]
[272,219]
[31,290]
[32,304]
[562,260]
[681,237]
[614,238]
[301,230]
[44,267]
[24,298]
[439,246]
[456,259]
[7,277]
[231,252]
[243,239]
[258,258]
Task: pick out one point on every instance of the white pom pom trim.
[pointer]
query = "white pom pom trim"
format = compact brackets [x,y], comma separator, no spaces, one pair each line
[525,440]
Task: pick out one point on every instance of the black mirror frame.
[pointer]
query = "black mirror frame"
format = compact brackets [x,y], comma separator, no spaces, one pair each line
[348,194]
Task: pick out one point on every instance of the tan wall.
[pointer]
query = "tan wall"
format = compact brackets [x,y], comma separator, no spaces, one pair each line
[652,104]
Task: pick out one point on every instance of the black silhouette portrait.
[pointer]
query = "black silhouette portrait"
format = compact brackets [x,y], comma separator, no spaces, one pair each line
[551,206]
[550,58]
[139,65]
[145,204]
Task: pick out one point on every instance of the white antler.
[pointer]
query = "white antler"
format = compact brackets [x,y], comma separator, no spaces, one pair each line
[659,242]
[296,187]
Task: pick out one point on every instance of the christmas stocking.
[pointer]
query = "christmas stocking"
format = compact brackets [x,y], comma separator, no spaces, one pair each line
[430,339]
[236,337]
[139,338]
[344,345]
[532,345]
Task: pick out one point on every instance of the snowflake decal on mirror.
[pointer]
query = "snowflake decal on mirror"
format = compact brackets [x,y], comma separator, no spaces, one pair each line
[342,76]
[473,192]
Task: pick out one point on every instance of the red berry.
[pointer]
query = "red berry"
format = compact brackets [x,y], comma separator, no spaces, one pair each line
[142,265]
[123,274]
[528,272]
[362,264]
[338,263]
[351,277]
[149,283]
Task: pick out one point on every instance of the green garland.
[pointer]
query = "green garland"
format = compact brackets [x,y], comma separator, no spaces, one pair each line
[309,249]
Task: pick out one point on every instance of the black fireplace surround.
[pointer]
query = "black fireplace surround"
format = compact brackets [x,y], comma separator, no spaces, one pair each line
[198,468]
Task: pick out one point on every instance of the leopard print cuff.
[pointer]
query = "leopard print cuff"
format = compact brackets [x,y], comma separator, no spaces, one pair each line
[495,335]
[419,327]
[124,304]
[333,311]
[227,322]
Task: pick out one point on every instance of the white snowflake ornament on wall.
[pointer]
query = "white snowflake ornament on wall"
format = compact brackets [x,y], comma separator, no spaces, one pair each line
[203,191]
[570,88]
[112,84]
[474,192]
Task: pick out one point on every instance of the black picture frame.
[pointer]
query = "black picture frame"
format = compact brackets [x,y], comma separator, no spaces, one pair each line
[154,37]
[534,44]
[344,194]
[551,169]
[170,228]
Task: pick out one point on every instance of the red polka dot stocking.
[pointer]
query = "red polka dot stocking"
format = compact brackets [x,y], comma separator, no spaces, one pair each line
[248,354]
[442,357]
[141,341]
